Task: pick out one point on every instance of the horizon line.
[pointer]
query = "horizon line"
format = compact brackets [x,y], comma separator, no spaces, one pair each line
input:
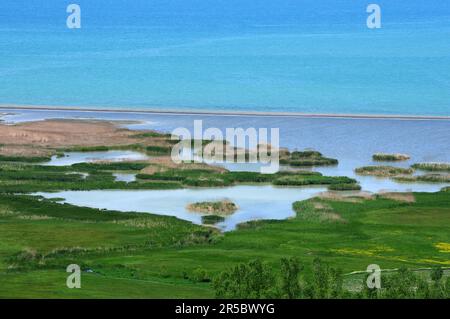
[226,113]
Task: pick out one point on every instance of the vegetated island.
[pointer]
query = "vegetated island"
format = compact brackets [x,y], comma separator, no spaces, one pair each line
[426,178]
[216,211]
[400,174]
[435,167]
[344,187]
[220,208]
[393,157]
[383,171]
[306,158]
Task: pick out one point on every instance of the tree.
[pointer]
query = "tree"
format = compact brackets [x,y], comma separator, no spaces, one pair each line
[369,293]
[436,274]
[439,288]
[254,280]
[290,283]
[326,282]
[404,284]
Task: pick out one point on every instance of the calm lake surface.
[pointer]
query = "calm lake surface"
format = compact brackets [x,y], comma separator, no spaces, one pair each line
[315,56]
[124,177]
[70,158]
[254,202]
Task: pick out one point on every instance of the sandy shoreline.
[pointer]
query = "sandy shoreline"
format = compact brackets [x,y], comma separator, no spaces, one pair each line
[226,113]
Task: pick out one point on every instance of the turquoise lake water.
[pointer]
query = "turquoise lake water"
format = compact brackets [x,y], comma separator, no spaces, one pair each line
[285,55]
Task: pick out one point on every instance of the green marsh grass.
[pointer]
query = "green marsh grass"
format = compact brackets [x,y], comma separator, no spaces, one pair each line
[347,235]
[393,157]
[438,167]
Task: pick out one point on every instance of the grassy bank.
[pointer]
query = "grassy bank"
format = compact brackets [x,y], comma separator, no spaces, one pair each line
[25,159]
[175,258]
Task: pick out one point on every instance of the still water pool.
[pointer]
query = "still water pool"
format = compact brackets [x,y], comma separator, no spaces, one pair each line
[254,202]
[91,157]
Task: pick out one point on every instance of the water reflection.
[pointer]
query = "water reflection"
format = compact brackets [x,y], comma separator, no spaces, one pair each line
[90,157]
[254,202]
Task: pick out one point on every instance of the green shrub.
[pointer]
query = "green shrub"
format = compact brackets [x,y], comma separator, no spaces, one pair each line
[200,275]
[159,150]
[344,187]
[253,280]
[390,157]
[99,148]
[119,166]
[152,134]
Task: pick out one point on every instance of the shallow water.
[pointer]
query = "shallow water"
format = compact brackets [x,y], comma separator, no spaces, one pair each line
[70,158]
[254,202]
[351,141]
[123,177]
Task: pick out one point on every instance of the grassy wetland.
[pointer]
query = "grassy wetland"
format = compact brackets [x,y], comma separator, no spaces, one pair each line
[386,157]
[383,171]
[136,255]
[433,173]
[154,256]
[434,167]
[306,158]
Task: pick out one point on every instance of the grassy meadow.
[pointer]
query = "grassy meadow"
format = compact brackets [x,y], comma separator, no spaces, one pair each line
[135,255]
[127,255]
